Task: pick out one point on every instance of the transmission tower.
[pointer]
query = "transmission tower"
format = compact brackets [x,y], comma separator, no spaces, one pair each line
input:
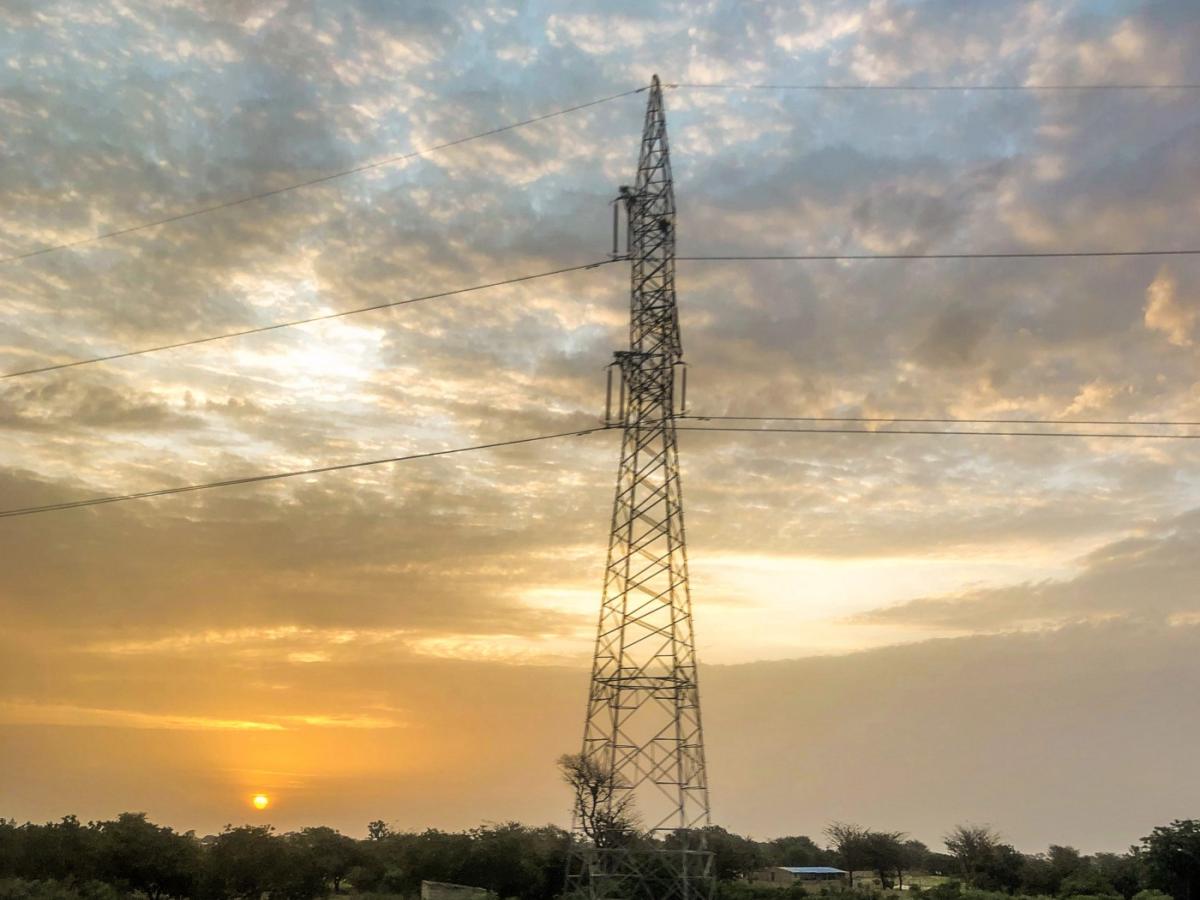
[643,734]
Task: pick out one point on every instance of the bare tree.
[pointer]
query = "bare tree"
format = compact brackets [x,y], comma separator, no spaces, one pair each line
[603,804]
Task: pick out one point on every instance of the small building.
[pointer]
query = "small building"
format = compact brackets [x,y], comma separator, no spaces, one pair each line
[440,890]
[783,876]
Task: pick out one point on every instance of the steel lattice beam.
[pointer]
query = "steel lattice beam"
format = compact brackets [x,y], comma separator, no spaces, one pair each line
[643,717]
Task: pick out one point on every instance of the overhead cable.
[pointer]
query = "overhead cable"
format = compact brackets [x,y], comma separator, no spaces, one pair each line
[944,432]
[1000,254]
[943,421]
[306,321]
[391,160]
[1055,254]
[897,88]
[275,476]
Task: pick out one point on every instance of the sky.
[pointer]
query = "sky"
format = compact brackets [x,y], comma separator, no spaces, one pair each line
[906,632]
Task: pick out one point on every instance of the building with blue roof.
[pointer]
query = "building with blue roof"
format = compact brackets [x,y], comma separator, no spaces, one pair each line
[783,876]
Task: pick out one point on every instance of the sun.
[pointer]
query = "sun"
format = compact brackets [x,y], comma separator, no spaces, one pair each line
[261,801]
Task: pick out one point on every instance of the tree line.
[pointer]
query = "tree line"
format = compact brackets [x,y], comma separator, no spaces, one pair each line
[130,856]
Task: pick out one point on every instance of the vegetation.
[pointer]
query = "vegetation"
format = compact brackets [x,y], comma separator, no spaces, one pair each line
[132,857]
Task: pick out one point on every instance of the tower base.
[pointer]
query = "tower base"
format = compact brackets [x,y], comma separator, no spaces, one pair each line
[636,873]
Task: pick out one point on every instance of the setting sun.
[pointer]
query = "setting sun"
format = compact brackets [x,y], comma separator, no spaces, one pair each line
[261,801]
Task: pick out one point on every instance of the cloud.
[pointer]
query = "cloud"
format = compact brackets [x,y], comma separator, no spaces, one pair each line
[33,714]
[1166,313]
[1143,577]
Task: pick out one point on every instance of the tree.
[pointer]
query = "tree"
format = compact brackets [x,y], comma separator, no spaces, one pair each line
[512,860]
[141,856]
[972,847]
[63,849]
[797,850]
[734,856]
[1124,871]
[885,853]
[916,856]
[244,862]
[1065,862]
[332,853]
[940,863]
[984,860]
[1037,876]
[1172,857]
[849,842]
[1086,882]
[378,830]
[603,804]
[10,848]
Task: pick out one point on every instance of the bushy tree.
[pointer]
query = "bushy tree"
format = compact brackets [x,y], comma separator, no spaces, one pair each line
[1172,857]
[1151,894]
[247,862]
[1124,871]
[137,855]
[333,854]
[916,856]
[512,860]
[734,856]
[797,850]
[1087,881]
[984,860]
[884,853]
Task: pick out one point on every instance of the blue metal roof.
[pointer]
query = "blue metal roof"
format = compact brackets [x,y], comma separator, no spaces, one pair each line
[813,870]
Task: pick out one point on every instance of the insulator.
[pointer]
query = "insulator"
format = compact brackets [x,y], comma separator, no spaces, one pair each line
[608,419]
[616,208]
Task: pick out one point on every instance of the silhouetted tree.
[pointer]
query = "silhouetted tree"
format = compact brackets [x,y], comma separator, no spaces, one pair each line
[1172,857]
[10,848]
[333,854]
[1087,881]
[850,843]
[603,804]
[514,861]
[984,860]
[63,849]
[733,855]
[797,850]
[886,855]
[140,856]
[243,862]
[1124,871]
[940,863]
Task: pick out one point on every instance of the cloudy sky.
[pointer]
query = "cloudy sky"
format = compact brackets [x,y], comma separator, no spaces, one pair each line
[902,631]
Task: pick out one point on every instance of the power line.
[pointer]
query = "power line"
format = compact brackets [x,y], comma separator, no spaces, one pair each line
[289,324]
[413,154]
[1058,254]
[945,421]
[1003,254]
[944,433]
[275,476]
[822,257]
[896,88]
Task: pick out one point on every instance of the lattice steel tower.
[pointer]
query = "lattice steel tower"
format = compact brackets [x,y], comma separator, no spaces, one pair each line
[643,719]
